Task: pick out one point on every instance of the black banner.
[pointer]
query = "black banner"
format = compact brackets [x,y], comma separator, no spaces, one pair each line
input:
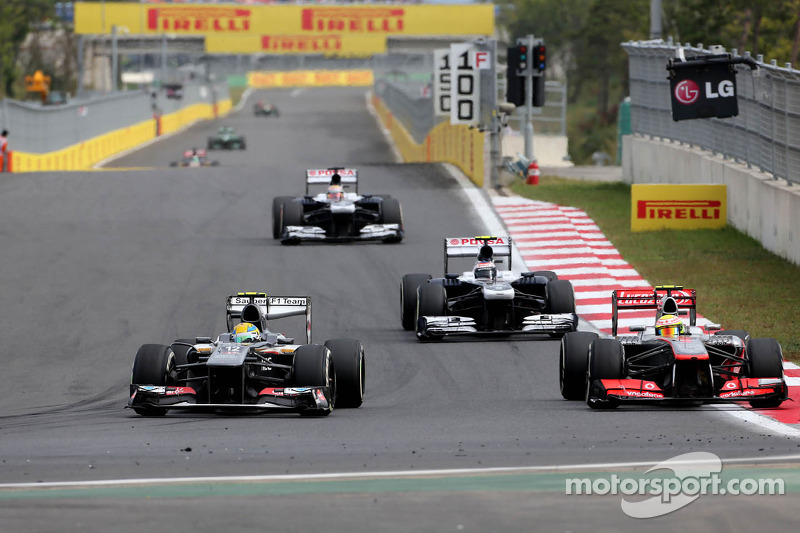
[702,90]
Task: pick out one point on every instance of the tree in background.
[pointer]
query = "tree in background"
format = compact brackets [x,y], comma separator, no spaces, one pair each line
[583,39]
[17,17]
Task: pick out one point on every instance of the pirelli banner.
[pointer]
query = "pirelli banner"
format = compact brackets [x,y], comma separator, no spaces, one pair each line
[353,29]
[657,207]
[310,78]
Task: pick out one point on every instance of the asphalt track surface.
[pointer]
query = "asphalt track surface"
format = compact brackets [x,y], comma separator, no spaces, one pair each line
[94,264]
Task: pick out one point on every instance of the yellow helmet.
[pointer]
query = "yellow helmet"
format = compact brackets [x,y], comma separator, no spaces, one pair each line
[245,332]
[670,326]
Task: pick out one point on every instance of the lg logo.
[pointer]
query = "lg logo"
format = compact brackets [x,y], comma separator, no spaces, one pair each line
[687,91]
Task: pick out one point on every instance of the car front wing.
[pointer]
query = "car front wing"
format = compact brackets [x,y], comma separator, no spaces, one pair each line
[282,399]
[429,327]
[367,233]
[628,390]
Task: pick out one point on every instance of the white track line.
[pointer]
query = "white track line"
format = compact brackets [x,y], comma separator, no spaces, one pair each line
[381,474]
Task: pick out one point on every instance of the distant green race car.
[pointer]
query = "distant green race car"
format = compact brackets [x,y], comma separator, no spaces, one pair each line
[227,139]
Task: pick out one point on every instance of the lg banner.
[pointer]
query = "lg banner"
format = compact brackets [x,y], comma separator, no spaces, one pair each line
[702,90]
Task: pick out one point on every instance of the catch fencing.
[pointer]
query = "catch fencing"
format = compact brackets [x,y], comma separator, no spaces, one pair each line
[766,133]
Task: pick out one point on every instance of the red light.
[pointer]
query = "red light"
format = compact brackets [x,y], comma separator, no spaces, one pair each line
[523,49]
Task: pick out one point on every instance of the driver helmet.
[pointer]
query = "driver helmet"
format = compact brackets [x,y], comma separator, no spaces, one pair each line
[485,270]
[335,193]
[245,332]
[670,326]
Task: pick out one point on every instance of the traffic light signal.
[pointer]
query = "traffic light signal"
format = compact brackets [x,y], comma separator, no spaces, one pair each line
[517,65]
[539,58]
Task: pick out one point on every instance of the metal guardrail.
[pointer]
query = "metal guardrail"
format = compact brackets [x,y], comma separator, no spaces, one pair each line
[766,133]
[40,129]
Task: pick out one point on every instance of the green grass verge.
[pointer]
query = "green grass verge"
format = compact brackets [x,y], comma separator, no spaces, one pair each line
[739,283]
[236,94]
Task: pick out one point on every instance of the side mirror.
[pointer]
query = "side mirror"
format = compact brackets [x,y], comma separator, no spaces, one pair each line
[713,327]
[637,328]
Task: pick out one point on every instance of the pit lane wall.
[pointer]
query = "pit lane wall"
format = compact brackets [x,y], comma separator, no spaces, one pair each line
[85,154]
[459,145]
[762,207]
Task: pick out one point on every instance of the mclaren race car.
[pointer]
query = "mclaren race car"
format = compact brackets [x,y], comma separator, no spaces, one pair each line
[486,300]
[250,368]
[194,158]
[227,139]
[337,214]
[265,110]
[670,361]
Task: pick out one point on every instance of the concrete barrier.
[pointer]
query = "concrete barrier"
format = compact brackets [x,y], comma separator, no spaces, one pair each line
[459,145]
[83,155]
[764,208]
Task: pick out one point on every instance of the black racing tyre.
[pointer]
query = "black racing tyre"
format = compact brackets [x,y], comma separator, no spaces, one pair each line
[243,144]
[392,213]
[348,361]
[561,296]
[210,144]
[292,214]
[431,300]
[742,334]
[549,274]
[766,361]
[153,365]
[313,367]
[277,215]
[408,298]
[574,363]
[606,361]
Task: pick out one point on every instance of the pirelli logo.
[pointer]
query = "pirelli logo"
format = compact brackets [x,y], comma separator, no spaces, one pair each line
[657,207]
[679,209]
[353,20]
[186,19]
[301,43]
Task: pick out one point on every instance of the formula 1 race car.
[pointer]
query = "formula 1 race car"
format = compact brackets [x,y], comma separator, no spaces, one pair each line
[336,215]
[227,139]
[250,368]
[265,109]
[194,158]
[486,300]
[671,361]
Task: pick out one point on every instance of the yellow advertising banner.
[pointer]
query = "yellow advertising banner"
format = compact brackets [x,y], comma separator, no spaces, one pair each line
[312,43]
[310,78]
[657,207]
[304,19]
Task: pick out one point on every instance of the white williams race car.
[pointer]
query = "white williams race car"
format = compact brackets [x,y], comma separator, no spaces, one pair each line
[486,300]
[337,214]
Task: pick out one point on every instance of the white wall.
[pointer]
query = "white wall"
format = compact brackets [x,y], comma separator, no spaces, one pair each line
[766,209]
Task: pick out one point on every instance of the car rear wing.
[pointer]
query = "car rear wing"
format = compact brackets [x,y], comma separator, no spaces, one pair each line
[471,246]
[626,299]
[323,176]
[269,307]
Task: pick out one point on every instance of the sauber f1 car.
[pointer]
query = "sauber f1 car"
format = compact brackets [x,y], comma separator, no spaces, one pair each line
[194,158]
[261,372]
[486,300]
[336,215]
[227,139]
[671,361]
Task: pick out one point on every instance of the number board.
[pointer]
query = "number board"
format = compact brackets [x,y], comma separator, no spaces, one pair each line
[465,85]
[441,82]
